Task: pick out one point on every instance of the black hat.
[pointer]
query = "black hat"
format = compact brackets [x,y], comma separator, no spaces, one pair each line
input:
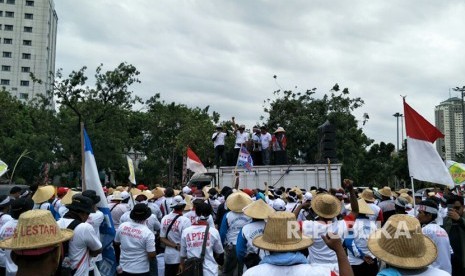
[81,203]
[21,205]
[140,212]
[15,189]
[92,195]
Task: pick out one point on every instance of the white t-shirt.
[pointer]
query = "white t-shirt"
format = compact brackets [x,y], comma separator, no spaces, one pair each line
[235,223]
[84,239]
[155,210]
[152,222]
[219,141]
[96,219]
[193,218]
[6,232]
[191,246]
[56,204]
[291,206]
[431,271]
[62,210]
[265,139]
[165,205]
[362,229]
[251,231]
[376,211]
[319,252]
[300,269]
[171,254]
[136,241]
[117,212]
[441,239]
[4,218]
[256,139]
[41,206]
[214,203]
[241,138]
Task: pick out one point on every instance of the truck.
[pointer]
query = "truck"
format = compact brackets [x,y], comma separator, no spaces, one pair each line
[301,175]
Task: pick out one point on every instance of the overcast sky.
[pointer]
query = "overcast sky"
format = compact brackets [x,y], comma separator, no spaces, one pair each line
[225,53]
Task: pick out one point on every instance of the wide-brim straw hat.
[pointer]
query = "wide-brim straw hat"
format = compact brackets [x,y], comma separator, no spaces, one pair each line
[237,201]
[36,229]
[385,191]
[276,237]
[298,192]
[68,198]
[401,191]
[368,195]
[402,244]
[279,129]
[43,194]
[148,194]
[406,196]
[258,210]
[363,207]
[116,196]
[135,191]
[158,192]
[119,188]
[326,206]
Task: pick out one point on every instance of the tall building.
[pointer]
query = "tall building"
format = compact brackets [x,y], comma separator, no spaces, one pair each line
[28,31]
[448,117]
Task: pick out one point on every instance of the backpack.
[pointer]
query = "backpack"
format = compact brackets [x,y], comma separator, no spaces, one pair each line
[63,269]
[194,266]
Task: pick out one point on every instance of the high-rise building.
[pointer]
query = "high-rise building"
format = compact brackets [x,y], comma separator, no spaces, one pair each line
[28,31]
[448,117]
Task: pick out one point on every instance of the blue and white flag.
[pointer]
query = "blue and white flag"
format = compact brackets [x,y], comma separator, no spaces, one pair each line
[245,159]
[108,264]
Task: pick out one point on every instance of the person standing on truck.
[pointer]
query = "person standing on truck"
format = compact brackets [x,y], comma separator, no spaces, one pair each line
[265,140]
[242,138]
[218,143]
[256,146]
[279,143]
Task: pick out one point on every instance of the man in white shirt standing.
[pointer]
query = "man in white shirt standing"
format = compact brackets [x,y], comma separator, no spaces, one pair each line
[192,242]
[137,242]
[85,242]
[218,143]
[265,139]
[95,219]
[172,226]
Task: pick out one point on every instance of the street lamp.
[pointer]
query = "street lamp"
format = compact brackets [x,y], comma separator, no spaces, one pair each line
[461,90]
[397,115]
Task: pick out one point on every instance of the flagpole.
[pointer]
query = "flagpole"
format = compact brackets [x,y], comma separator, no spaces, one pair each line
[83,160]
[329,171]
[413,194]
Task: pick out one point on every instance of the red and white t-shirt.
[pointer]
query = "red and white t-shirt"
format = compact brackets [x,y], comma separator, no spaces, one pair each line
[193,218]
[7,231]
[171,254]
[191,246]
[136,241]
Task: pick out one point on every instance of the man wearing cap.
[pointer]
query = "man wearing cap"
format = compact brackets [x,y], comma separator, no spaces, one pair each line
[137,242]
[232,223]
[85,243]
[397,244]
[218,144]
[172,226]
[192,242]
[427,212]
[242,138]
[246,252]
[38,253]
[18,207]
[285,257]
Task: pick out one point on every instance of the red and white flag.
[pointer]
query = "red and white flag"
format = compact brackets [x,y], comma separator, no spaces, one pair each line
[193,162]
[424,162]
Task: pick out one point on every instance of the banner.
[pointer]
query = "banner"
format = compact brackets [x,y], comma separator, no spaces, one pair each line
[245,159]
[132,175]
[457,171]
[3,168]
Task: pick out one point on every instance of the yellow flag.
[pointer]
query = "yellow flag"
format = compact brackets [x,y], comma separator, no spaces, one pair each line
[3,167]
[132,175]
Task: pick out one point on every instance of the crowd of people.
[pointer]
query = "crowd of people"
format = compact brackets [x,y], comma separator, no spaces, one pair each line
[265,148]
[232,231]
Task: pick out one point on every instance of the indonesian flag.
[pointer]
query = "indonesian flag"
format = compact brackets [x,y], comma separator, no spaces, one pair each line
[193,162]
[424,162]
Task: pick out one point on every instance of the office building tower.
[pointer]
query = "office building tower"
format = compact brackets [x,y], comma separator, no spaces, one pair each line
[28,31]
[448,117]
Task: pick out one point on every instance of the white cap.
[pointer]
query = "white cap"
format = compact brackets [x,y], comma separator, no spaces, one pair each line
[307,197]
[279,205]
[177,201]
[186,190]
[124,195]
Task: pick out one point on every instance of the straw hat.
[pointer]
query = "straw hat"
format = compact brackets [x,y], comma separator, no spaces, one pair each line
[298,192]
[116,196]
[148,194]
[237,201]
[135,191]
[276,237]
[110,190]
[363,207]
[367,195]
[189,205]
[177,192]
[36,229]
[279,129]
[401,191]
[406,196]
[326,206]
[119,188]
[43,194]
[157,193]
[68,198]
[385,191]
[401,243]
[258,210]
